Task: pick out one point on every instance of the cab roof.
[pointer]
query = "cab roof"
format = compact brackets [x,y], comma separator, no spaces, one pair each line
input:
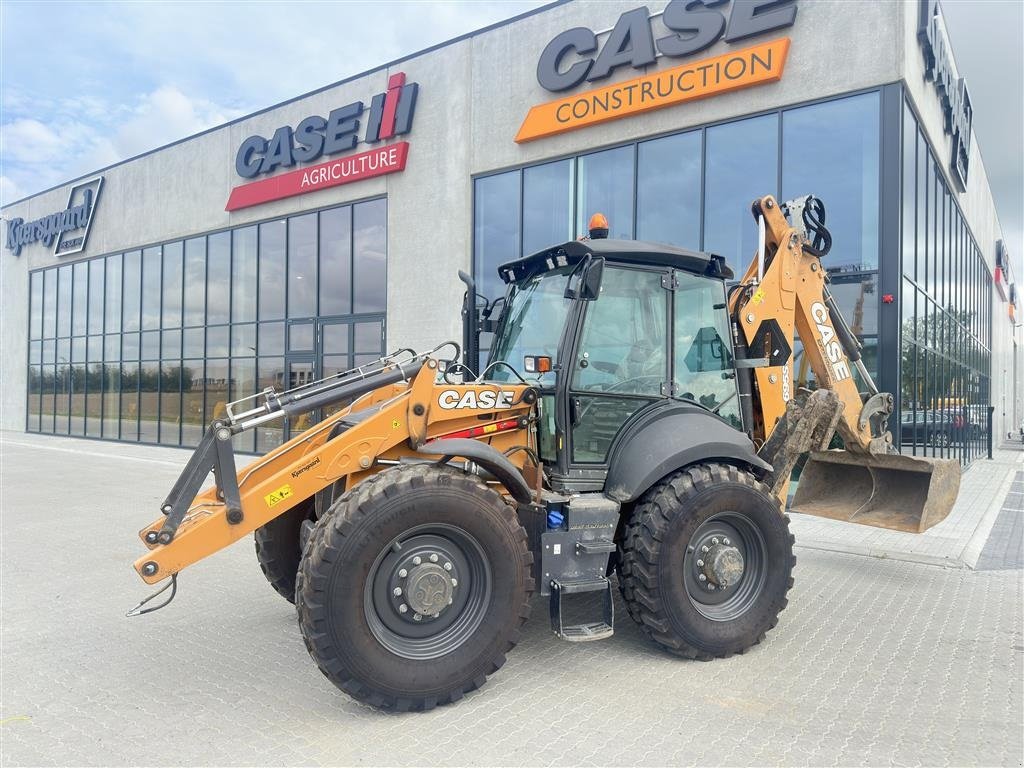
[633,252]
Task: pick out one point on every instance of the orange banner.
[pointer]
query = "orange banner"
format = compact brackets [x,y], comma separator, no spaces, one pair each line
[696,80]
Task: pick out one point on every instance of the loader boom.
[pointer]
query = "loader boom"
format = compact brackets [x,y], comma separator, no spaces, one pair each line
[387,426]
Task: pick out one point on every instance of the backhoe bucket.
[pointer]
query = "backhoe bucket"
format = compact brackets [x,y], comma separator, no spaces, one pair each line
[903,493]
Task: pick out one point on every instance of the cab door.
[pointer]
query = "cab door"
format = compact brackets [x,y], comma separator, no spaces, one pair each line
[620,361]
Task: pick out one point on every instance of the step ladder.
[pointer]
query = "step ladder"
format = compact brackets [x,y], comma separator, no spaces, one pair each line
[581,633]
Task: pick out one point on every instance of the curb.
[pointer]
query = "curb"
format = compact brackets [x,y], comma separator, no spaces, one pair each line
[976,543]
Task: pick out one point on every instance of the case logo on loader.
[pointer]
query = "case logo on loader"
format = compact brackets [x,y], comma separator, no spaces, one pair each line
[452,399]
[829,343]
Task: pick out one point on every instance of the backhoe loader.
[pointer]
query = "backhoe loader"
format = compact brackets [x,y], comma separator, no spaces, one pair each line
[636,422]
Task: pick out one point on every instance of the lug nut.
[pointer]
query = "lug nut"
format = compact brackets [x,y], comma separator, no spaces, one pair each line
[705,549]
[437,614]
[447,566]
[397,591]
[700,563]
[417,560]
[417,617]
[450,601]
[714,540]
[711,587]
[726,542]
[403,608]
[433,558]
[403,573]
[701,577]
[455,582]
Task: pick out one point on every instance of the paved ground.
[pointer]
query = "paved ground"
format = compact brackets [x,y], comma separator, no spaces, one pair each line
[875,662]
[956,543]
[1005,546]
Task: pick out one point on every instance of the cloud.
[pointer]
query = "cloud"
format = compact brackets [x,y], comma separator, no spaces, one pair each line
[82,134]
[9,190]
[145,74]
[166,115]
[29,140]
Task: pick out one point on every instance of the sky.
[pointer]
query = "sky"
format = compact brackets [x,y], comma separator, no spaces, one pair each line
[118,79]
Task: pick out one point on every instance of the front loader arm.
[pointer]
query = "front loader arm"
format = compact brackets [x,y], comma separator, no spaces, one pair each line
[393,421]
[278,481]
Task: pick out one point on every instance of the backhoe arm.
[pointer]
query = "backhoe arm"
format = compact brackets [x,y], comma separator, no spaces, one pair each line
[783,295]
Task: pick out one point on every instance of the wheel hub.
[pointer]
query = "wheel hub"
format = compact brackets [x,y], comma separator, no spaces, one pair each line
[723,565]
[429,589]
[422,582]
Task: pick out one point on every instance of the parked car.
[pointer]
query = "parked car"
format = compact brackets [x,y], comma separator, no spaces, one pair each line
[936,428]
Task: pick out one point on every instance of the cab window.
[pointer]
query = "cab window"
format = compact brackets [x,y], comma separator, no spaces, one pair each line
[703,361]
[621,362]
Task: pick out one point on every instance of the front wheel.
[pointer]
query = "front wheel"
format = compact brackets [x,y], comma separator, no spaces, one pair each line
[413,587]
[706,562]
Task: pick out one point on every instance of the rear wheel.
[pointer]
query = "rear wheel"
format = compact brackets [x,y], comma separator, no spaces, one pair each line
[706,562]
[279,548]
[413,587]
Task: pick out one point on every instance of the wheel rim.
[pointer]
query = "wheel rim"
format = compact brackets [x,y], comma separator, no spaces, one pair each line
[725,566]
[427,591]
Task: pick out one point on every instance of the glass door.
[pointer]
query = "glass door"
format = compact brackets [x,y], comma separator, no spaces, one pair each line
[322,347]
[299,370]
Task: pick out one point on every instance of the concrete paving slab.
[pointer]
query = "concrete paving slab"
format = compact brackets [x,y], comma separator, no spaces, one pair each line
[874,662]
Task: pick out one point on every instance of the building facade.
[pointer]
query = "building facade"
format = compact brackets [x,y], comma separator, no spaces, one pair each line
[313,235]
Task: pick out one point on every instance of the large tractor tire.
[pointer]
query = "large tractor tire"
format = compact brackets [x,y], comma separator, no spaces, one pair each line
[414,586]
[279,548]
[706,561]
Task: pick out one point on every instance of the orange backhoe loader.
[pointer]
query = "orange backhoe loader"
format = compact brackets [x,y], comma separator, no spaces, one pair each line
[636,421]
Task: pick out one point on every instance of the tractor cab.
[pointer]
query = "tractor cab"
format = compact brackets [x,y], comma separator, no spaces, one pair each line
[613,333]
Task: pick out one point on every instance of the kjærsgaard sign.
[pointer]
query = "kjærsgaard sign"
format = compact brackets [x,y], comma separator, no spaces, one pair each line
[67,230]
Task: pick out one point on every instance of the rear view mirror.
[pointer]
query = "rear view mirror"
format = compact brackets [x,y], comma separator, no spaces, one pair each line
[585,282]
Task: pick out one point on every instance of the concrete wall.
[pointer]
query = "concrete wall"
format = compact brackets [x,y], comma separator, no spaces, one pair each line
[836,47]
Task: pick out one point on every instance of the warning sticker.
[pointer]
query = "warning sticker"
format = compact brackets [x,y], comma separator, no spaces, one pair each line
[280,494]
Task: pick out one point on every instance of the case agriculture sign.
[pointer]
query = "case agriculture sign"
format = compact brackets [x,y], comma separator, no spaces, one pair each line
[693,27]
[389,115]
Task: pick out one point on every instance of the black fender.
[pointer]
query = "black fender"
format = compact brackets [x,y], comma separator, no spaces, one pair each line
[489,458]
[667,437]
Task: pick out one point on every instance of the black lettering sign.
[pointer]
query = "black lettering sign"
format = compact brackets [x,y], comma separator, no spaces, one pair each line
[951,89]
[52,228]
[696,25]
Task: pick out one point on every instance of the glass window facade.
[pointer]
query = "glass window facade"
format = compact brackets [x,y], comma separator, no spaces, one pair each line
[945,359]
[150,345]
[694,189]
